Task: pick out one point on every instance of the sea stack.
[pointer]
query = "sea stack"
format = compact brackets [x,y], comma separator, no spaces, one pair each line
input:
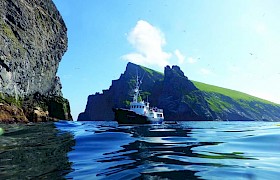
[33,39]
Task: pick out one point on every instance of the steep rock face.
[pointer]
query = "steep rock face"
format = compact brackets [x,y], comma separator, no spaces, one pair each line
[180,98]
[176,88]
[33,39]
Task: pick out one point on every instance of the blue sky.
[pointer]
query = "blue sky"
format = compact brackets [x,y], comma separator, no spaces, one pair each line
[229,43]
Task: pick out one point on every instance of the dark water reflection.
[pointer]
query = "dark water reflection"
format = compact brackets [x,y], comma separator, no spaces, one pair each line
[36,151]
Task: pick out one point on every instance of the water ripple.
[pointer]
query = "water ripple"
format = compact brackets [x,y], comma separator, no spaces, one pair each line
[192,150]
[104,150]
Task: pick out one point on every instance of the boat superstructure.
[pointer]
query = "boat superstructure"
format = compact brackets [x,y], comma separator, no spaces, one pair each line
[140,111]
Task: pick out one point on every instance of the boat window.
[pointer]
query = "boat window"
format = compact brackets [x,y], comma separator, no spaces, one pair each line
[159,115]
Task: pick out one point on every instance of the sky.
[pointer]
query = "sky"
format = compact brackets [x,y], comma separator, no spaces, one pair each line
[228,43]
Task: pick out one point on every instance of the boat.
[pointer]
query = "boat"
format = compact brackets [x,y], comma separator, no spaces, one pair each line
[140,111]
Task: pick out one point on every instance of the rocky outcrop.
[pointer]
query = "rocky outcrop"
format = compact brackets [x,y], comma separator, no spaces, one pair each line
[180,98]
[33,39]
[11,113]
[176,87]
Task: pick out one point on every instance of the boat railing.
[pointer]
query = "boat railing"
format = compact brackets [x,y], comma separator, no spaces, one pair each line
[157,110]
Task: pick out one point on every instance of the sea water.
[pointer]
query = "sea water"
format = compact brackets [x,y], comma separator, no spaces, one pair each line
[106,150]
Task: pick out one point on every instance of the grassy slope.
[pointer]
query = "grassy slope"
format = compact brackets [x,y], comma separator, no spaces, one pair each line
[235,95]
[151,71]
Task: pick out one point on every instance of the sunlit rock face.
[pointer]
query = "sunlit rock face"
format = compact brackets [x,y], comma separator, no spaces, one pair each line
[33,39]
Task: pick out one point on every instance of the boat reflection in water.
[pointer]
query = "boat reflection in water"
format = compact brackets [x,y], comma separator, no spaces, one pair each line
[148,156]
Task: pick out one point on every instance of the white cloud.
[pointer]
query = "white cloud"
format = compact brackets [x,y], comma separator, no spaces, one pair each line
[148,42]
[181,58]
[191,60]
[205,71]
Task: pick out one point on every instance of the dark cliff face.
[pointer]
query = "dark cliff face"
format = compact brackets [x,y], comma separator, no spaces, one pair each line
[33,39]
[176,87]
[180,98]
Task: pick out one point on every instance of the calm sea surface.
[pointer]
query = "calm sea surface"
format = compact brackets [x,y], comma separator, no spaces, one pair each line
[105,150]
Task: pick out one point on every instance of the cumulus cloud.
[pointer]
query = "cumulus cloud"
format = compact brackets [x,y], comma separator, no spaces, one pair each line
[181,58]
[148,42]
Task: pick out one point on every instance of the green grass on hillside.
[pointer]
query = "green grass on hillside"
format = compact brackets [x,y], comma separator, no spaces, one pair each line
[150,71]
[236,95]
[11,100]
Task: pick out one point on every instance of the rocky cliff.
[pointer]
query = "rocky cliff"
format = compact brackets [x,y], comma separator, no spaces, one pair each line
[180,98]
[33,39]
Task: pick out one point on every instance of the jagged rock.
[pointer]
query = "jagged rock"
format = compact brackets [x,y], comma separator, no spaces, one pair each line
[40,115]
[33,39]
[175,87]
[11,114]
[40,108]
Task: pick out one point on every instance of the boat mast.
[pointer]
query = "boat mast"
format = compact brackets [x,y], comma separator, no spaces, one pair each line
[136,90]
